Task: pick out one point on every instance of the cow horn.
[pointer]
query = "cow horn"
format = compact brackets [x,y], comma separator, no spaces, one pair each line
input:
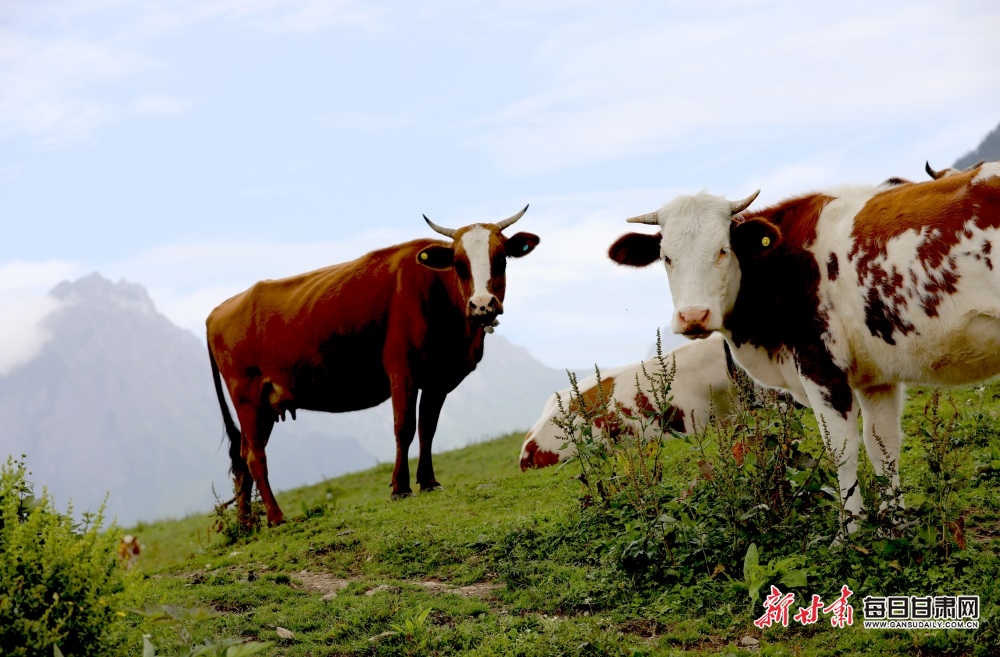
[447,232]
[648,218]
[930,172]
[976,165]
[740,206]
[510,220]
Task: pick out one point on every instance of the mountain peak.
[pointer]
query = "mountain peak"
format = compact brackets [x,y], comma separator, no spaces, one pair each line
[97,289]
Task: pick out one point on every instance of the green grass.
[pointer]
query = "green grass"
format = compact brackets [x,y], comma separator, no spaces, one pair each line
[538,583]
[171,541]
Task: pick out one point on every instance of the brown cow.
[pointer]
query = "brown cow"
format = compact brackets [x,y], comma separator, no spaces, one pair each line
[347,337]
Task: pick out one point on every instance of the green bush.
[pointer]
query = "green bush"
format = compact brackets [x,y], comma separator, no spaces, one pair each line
[57,577]
[762,491]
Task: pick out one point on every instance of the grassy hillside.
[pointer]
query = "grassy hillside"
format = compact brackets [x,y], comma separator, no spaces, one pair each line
[510,563]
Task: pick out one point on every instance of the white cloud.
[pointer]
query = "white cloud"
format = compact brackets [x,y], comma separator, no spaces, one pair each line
[622,90]
[24,304]
[56,67]
[21,333]
[48,84]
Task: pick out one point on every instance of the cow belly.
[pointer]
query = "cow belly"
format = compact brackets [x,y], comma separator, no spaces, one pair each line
[965,352]
[966,355]
[341,390]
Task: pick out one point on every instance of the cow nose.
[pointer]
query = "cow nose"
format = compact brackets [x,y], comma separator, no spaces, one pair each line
[483,304]
[694,319]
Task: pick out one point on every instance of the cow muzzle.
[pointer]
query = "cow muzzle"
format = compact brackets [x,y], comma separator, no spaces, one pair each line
[693,322]
[484,308]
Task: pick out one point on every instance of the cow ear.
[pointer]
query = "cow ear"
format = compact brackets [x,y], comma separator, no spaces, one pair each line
[437,257]
[520,244]
[754,238]
[636,249]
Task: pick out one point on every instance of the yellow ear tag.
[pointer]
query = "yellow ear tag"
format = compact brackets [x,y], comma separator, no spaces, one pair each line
[766,241]
[423,256]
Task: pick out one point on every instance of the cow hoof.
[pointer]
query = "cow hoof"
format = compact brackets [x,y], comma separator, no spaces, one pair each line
[401,495]
[433,487]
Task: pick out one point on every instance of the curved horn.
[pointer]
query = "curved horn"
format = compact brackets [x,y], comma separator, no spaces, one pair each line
[648,218]
[740,206]
[976,165]
[931,172]
[510,220]
[447,232]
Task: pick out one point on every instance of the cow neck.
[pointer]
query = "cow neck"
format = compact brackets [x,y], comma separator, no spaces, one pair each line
[778,305]
[449,322]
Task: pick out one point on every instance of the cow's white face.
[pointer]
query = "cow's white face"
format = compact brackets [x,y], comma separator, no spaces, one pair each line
[478,255]
[694,246]
[704,275]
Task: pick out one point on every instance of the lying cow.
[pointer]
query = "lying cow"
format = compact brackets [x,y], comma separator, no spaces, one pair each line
[935,175]
[701,386]
[841,297]
[950,171]
[403,319]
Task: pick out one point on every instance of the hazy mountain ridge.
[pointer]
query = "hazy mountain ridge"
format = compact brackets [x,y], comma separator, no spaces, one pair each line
[121,400]
[988,149]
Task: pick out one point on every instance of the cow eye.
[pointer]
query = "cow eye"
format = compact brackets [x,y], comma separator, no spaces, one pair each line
[666,260]
[499,265]
[724,251]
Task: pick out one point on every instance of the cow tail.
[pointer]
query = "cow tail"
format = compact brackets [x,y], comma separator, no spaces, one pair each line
[235,438]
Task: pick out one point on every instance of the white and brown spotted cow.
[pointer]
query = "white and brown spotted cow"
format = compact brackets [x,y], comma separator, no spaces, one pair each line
[700,387]
[841,297]
[129,550]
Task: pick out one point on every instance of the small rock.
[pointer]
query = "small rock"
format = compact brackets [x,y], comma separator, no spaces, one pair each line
[749,642]
[284,634]
[384,588]
[484,486]
[235,554]
[329,596]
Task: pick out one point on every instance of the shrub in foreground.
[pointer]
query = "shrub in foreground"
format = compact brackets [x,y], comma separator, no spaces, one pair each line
[57,577]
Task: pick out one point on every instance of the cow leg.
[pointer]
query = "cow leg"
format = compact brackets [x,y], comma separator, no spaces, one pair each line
[243,480]
[840,434]
[404,410]
[880,409]
[257,425]
[430,410]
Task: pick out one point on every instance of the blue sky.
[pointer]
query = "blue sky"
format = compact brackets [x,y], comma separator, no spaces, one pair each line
[196,146]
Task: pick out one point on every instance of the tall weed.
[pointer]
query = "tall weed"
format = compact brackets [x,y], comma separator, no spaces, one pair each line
[761,503]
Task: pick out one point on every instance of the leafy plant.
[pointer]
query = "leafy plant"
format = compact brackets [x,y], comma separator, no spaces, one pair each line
[413,630]
[787,571]
[58,578]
